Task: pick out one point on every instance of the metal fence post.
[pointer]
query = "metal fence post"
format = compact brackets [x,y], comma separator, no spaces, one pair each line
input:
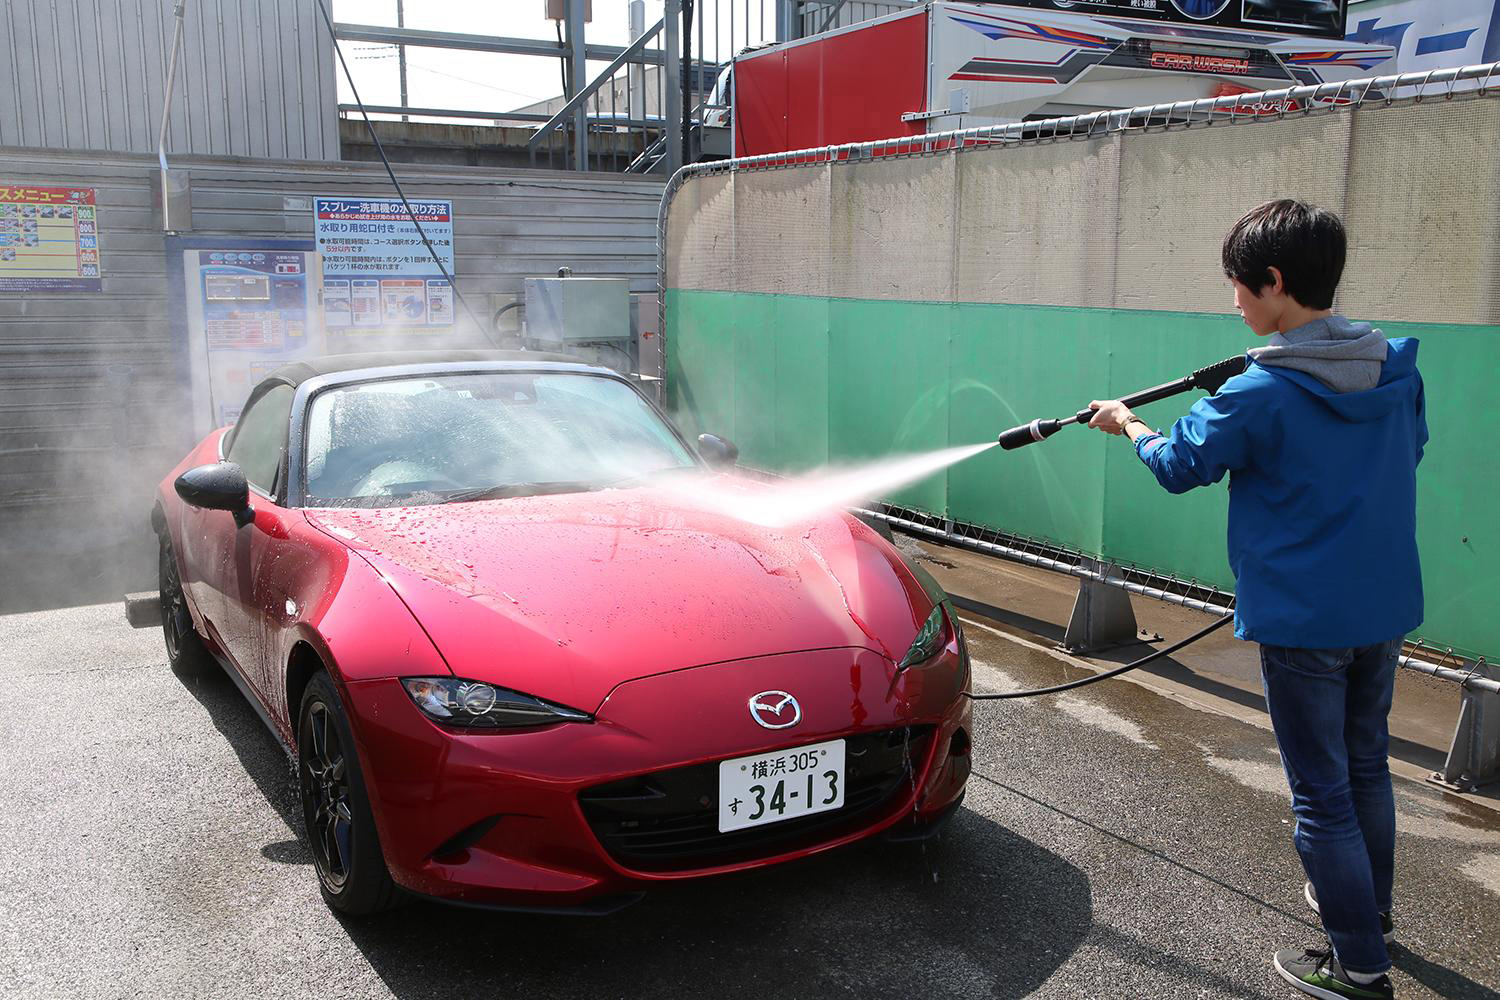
[786,20]
[580,80]
[1474,757]
[672,74]
[1102,614]
[635,102]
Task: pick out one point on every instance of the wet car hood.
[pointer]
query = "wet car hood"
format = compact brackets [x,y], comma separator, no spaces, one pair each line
[564,597]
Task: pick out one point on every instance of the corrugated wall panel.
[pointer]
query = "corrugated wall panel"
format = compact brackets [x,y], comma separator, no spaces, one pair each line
[91,407]
[255,77]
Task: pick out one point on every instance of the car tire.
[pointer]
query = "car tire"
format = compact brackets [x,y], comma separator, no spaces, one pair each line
[340,826]
[186,653]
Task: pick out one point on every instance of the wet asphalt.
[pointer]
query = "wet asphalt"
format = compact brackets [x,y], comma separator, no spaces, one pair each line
[1114,843]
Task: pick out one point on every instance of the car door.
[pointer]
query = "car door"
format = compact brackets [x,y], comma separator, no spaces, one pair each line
[234,555]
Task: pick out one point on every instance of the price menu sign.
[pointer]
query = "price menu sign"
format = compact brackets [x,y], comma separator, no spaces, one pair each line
[49,239]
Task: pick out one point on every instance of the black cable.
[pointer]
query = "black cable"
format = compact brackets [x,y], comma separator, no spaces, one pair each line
[687,80]
[375,138]
[1117,671]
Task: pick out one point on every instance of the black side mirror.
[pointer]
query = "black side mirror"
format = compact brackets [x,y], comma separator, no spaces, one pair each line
[716,451]
[220,486]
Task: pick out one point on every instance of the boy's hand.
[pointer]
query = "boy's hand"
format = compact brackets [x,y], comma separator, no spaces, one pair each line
[1110,416]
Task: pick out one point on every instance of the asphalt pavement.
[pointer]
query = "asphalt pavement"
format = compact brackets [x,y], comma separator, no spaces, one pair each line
[1115,842]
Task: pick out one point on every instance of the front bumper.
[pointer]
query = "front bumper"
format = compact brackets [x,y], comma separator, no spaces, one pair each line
[523,818]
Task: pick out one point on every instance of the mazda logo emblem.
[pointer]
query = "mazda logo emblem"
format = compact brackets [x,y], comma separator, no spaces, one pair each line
[775,710]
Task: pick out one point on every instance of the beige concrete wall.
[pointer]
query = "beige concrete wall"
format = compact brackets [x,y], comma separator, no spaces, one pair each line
[1424,200]
[1036,224]
[892,229]
[781,241]
[700,234]
[1181,191]
[1132,221]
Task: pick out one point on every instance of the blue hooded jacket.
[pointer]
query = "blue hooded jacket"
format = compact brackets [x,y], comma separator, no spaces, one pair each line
[1322,499]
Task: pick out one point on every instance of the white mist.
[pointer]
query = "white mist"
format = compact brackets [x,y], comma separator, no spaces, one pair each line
[803,498]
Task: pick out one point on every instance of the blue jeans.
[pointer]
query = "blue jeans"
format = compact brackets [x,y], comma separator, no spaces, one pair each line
[1329,708]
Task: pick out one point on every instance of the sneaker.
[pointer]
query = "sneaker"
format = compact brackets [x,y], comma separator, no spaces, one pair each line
[1387,926]
[1318,974]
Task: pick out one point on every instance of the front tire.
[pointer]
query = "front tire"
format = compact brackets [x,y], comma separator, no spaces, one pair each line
[340,826]
[186,654]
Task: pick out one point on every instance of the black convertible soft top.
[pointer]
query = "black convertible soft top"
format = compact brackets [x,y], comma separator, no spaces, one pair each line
[300,371]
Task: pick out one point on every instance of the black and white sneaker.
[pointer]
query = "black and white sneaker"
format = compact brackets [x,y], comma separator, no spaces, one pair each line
[1387,926]
[1318,974]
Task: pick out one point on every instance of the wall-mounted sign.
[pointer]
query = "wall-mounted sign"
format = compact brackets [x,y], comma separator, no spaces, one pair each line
[377,272]
[1305,17]
[49,239]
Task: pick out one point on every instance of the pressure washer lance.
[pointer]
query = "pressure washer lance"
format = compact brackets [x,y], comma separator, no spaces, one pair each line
[1208,379]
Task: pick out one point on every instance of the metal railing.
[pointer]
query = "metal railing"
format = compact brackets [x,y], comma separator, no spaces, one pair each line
[578,113]
[630,116]
[818,16]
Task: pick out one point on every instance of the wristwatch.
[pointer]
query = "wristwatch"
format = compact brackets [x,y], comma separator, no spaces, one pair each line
[1125,427]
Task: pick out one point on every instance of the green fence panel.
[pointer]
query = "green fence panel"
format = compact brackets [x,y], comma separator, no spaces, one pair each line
[700,348]
[1142,524]
[1458,484]
[1009,365]
[799,380]
[888,387]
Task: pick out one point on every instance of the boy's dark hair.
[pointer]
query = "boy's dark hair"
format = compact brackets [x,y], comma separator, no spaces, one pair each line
[1305,243]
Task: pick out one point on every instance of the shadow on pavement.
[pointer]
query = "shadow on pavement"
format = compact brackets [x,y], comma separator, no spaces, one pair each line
[977,911]
[261,754]
[1437,978]
[980,912]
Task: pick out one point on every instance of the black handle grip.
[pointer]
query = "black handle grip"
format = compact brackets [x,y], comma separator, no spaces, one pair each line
[1212,378]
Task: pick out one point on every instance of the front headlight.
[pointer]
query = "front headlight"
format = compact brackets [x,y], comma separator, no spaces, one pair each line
[930,640]
[454,701]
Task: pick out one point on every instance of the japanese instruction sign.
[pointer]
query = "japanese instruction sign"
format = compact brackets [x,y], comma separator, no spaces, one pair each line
[377,272]
[49,239]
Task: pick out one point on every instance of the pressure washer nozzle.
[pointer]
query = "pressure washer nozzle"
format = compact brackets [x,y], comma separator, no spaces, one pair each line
[1037,430]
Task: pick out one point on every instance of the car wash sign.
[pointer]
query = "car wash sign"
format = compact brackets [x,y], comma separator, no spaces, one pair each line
[377,271]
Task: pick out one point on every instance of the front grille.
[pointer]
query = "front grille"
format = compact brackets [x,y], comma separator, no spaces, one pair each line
[670,819]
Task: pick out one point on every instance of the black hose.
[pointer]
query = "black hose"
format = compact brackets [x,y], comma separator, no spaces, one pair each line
[1117,671]
[495,319]
[401,193]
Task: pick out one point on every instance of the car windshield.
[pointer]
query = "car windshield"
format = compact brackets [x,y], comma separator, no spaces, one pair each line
[445,438]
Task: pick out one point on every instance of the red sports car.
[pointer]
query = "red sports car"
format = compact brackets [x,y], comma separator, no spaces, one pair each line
[516,669]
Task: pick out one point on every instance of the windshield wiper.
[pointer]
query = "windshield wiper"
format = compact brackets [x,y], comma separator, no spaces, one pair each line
[518,490]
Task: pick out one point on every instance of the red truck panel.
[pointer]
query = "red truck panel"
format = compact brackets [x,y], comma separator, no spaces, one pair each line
[849,87]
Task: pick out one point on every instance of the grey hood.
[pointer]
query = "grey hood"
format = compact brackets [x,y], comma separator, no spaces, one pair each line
[1343,355]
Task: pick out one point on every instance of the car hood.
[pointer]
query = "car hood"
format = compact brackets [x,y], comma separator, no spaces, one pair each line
[564,597]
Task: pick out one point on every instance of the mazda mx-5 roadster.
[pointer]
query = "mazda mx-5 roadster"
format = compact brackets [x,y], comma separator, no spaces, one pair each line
[519,664]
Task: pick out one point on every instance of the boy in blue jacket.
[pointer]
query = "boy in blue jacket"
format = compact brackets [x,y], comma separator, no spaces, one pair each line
[1321,437]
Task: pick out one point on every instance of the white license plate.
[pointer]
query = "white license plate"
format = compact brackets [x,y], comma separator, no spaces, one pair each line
[783,784]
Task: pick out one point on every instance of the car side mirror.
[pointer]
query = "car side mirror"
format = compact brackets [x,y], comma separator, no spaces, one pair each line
[716,451]
[218,486]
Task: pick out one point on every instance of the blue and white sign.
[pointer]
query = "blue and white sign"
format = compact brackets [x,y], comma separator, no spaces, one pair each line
[1429,36]
[377,272]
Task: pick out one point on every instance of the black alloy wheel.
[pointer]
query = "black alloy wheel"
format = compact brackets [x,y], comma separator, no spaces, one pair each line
[186,653]
[340,826]
[325,789]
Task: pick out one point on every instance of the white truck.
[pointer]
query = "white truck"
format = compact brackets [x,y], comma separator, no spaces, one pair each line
[947,65]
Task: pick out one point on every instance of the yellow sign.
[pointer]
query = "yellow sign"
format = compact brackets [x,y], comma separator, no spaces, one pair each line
[49,239]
